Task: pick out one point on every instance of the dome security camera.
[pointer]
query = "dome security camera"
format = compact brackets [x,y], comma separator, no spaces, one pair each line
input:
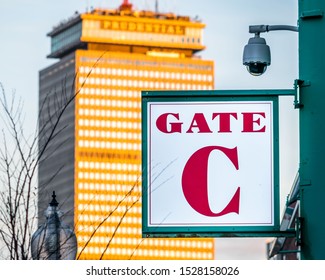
[257,55]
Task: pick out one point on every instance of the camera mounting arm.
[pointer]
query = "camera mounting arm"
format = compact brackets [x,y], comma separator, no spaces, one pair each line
[257,29]
[257,55]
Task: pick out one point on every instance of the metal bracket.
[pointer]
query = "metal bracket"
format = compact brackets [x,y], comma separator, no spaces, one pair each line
[299,224]
[312,14]
[297,85]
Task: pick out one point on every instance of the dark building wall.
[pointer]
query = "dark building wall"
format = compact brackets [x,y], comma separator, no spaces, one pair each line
[56,167]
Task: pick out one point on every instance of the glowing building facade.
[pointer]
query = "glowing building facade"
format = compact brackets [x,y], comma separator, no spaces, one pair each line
[106,58]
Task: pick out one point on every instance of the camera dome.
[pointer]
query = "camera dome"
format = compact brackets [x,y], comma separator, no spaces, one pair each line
[256,56]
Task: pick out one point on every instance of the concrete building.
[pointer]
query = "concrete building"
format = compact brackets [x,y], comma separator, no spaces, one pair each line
[93,160]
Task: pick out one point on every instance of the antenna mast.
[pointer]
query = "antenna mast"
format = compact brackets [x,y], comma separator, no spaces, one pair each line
[156,7]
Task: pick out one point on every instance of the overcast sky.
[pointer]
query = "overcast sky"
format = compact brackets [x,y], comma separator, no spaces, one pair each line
[24,47]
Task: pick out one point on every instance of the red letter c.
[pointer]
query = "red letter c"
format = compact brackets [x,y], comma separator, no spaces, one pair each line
[195,181]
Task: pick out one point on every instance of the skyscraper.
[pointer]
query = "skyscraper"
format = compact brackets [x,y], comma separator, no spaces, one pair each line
[106,58]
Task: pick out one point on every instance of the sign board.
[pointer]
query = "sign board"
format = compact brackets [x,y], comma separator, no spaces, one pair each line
[210,163]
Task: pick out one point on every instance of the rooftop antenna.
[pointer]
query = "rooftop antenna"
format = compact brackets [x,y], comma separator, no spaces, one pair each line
[156,7]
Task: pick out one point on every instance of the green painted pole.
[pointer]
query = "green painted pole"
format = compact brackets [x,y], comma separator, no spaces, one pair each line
[312,127]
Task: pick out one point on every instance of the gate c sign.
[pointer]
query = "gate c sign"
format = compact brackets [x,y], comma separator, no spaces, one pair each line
[209,164]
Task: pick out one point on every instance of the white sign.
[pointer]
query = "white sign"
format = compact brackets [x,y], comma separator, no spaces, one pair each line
[210,164]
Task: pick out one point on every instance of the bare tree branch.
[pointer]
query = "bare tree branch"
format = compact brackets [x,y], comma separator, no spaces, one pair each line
[20,156]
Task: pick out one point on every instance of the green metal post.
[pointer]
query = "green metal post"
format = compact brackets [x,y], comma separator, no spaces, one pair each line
[312,127]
